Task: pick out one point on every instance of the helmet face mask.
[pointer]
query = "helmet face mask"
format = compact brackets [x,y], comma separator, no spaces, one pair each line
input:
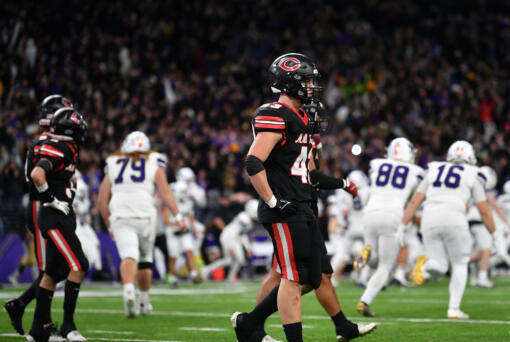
[318,119]
[295,75]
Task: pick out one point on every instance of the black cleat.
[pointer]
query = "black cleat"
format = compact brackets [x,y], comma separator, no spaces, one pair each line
[49,334]
[15,308]
[244,331]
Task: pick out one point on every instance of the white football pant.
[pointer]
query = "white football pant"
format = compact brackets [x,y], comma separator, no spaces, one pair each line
[380,231]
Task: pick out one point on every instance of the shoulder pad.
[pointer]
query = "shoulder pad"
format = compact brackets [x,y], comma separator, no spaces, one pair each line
[269,117]
[160,158]
[51,148]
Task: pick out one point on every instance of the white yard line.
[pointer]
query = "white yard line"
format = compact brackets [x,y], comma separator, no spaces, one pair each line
[202,329]
[312,317]
[111,332]
[103,339]
[482,302]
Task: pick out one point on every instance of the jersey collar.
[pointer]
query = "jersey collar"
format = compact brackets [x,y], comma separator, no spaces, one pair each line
[303,117]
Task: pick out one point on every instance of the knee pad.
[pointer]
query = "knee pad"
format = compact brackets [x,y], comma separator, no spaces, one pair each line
[144,265]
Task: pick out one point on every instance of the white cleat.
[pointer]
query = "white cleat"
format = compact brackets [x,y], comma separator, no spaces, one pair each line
[75,336]
[129,305]
[268,338]
[363,330]
[457,314]
[145,308]
[401,279]
[485,283]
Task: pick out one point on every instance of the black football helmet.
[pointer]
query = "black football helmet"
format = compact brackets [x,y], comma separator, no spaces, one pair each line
[67,124]
[50,105]
[318,118]
[295,75]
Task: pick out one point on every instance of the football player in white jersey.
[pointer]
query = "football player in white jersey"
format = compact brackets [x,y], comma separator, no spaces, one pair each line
[127,202]
[86,234]
[234,239]
[199,197]
[393,180]
[345,206]
[180,240]
[446,190]
[483,239]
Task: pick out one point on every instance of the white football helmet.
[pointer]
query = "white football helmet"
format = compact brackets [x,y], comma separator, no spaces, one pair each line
[180,190]
[359,178]
[492,177]
[401,149]
[136,142]
[185,174]
[461,152]
[506,187]
[251,208]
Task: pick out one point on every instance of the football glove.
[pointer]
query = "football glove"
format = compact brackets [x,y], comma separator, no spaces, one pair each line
[400,235]
[350,187]
[58,205]
[286,208]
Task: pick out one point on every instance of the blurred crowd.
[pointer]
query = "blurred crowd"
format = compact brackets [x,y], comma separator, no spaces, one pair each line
[191,73]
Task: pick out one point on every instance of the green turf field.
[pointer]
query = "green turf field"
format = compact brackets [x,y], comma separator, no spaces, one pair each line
[201,313]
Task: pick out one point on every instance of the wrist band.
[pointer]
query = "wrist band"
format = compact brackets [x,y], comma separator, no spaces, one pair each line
[179,217]
[42,188]
[272,202]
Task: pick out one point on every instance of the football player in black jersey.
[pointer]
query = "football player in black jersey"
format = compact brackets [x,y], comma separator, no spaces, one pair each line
[54,168]
[345,330]
[16,307]
[279,164]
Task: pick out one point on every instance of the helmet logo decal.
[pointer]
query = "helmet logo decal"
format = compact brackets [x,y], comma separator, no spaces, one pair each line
[139,142]
[75,118]
[460,150]
[290,64]
[396,149]
[65,102]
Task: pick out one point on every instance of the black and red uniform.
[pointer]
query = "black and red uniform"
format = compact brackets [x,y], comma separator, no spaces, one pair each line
[296,239]
[34,205]
[63,249]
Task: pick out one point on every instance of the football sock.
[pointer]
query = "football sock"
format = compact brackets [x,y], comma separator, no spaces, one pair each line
[30,293]
[265,308]
[457,285]
[144,297]
[72,290]
[400,272]
[345,327]
[482,275]
[129,288]
[375,284]
[293,332]
[42,312]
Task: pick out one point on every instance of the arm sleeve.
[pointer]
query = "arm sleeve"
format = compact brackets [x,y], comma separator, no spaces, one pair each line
[424,185]
[269,119]
[52,154]
[161,160]
[478,192]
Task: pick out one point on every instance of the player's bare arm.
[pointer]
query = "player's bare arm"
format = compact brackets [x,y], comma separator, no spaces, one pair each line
[103,198]
[492,201]
[412,206]
[38,176]
[166,194]
[486,214]
[260,149]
